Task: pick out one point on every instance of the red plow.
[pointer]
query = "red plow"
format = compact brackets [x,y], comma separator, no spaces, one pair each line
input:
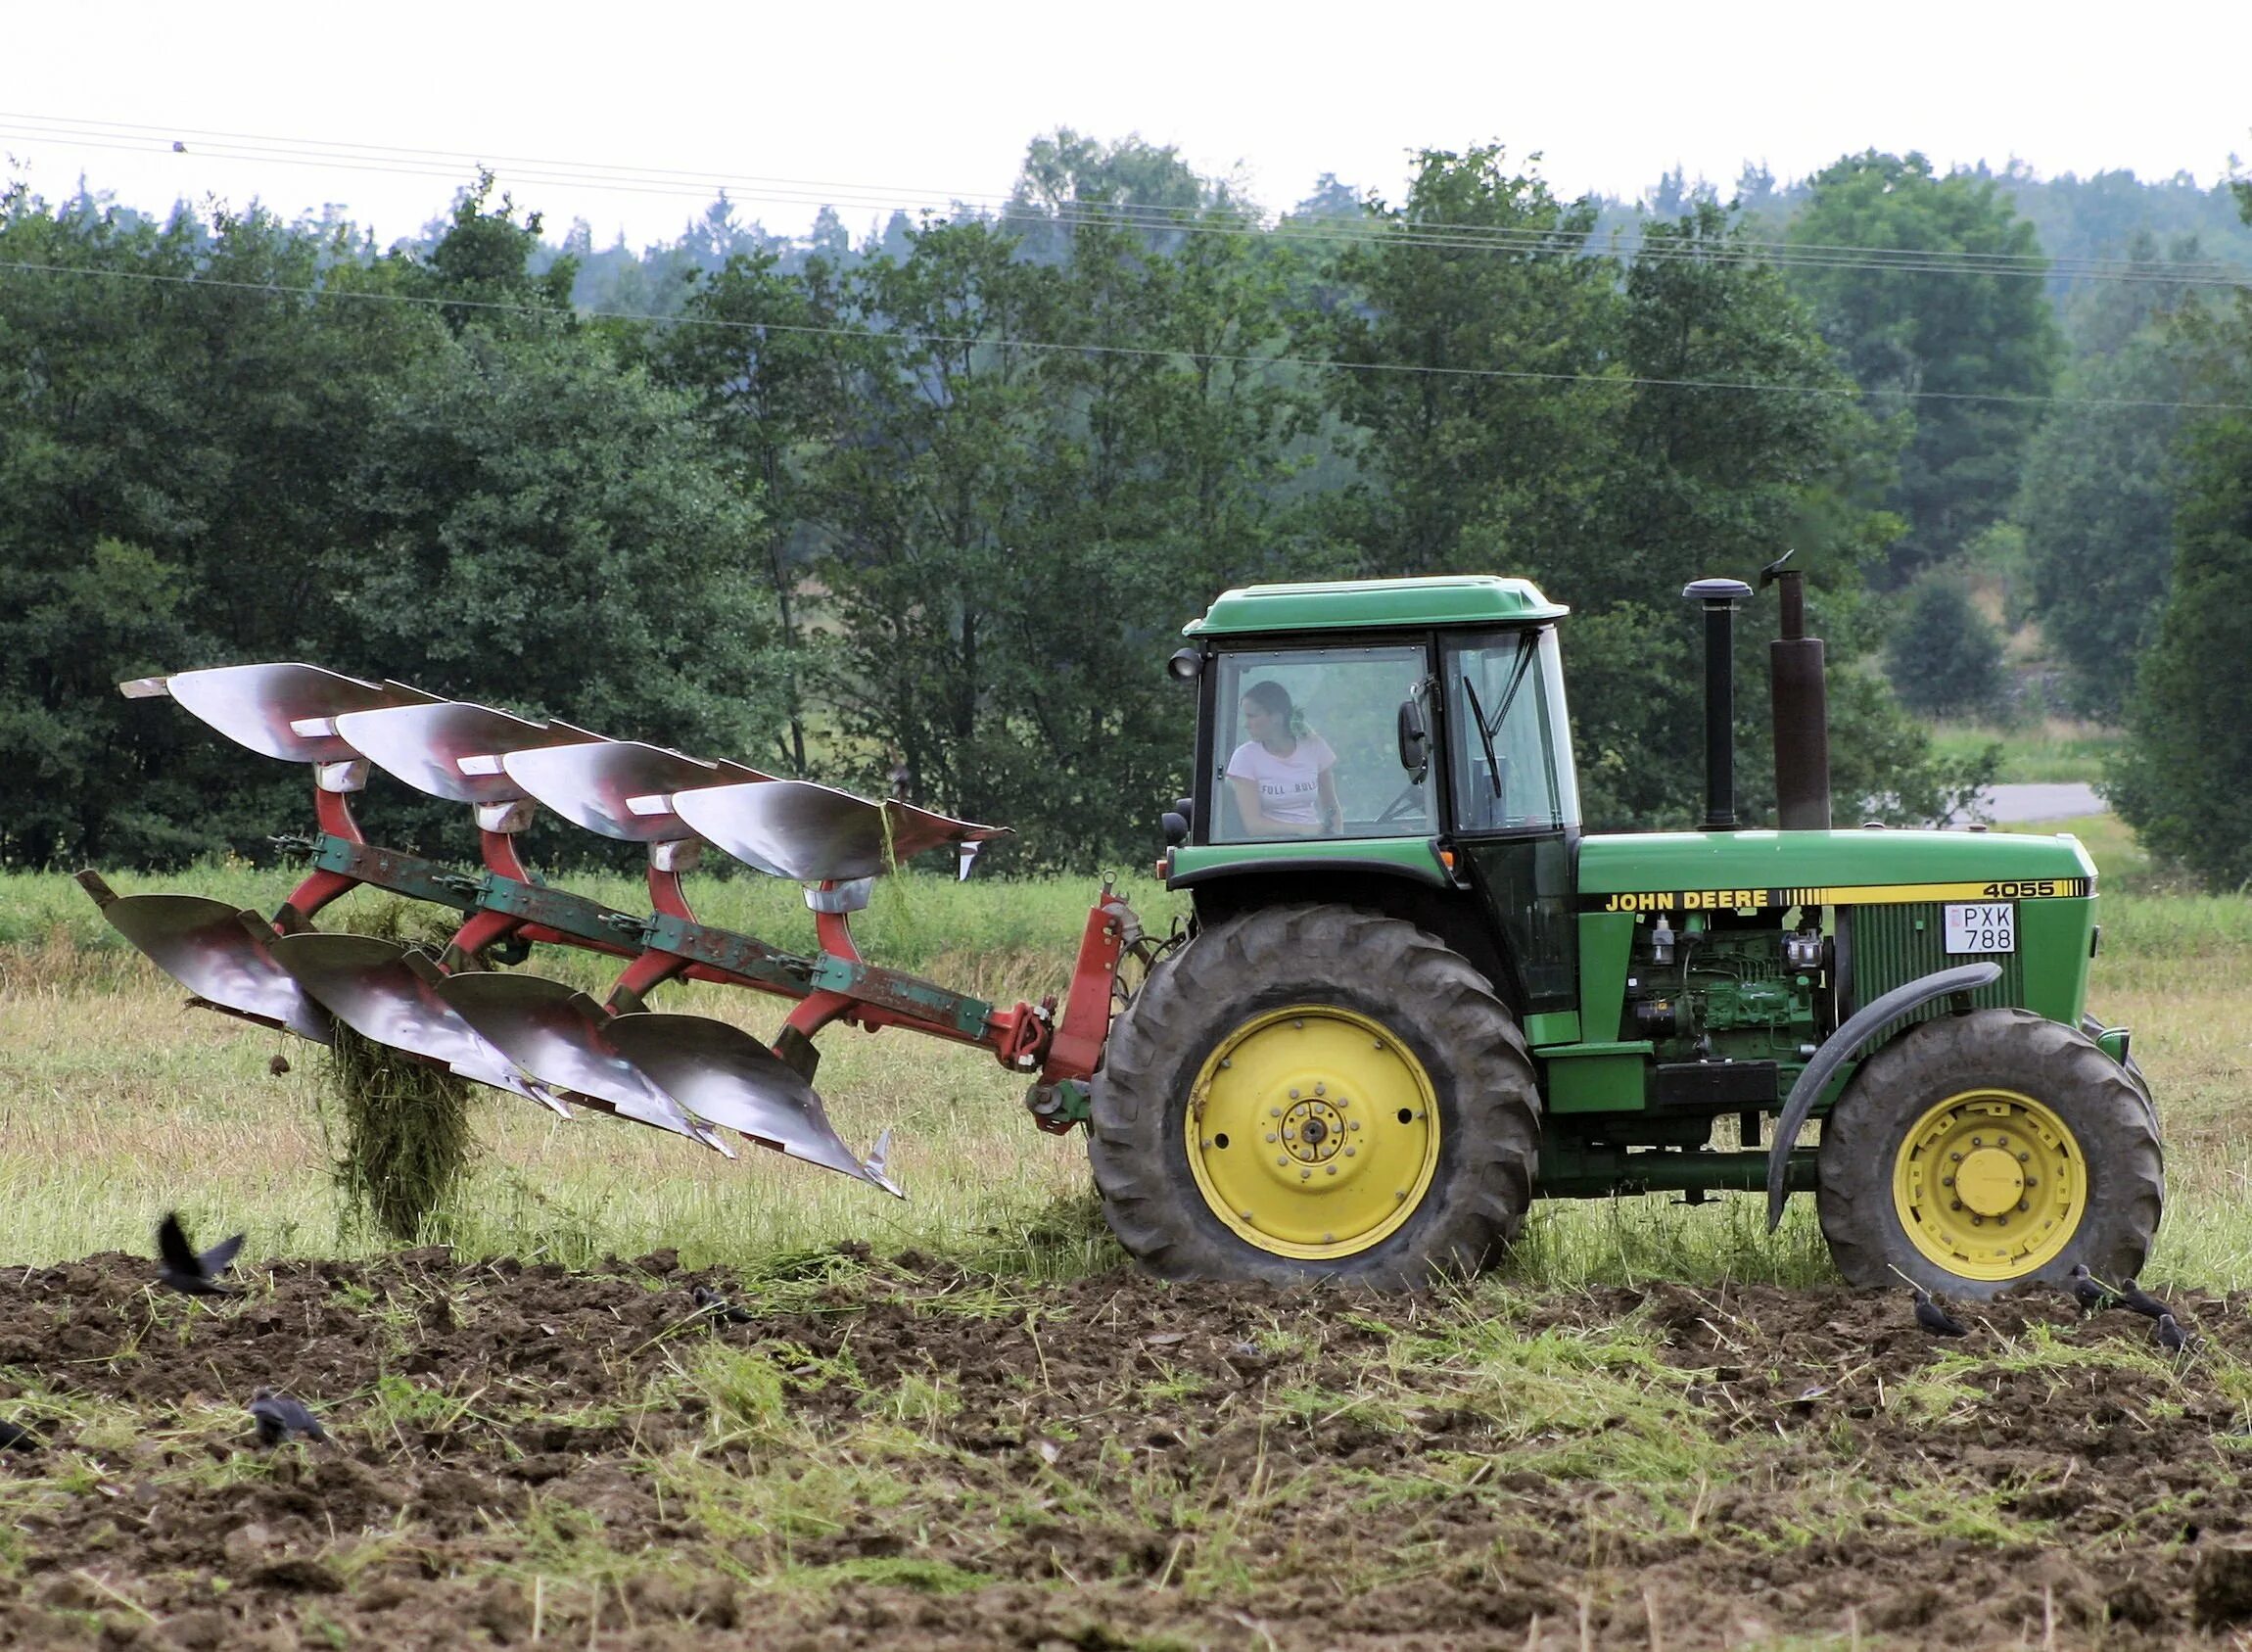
[698,1077]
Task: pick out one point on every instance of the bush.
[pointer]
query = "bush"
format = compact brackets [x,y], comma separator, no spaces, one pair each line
[1945,660]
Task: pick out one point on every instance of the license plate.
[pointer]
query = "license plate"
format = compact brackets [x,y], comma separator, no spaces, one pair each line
[1988,926]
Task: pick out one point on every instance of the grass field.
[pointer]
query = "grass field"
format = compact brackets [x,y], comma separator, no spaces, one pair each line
[2055,749]
[115,1101]
[958,1421]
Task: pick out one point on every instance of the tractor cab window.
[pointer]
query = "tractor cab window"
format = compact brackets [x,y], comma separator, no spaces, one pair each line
[1307,742]
[1510,746]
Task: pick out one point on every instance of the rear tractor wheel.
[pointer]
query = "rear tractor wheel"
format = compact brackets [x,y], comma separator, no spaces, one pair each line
[1978,1152]
[1313,1091]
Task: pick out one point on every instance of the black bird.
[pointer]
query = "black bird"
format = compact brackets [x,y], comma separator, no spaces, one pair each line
[186,1272]
[2090,1292]
[15,1437]
[1934,1318]
[279,1418]
[712,1305]
[2170,1337]
[2132,1296]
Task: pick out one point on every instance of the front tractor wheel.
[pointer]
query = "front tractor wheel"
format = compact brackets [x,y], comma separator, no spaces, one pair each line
[1313,1091]
[1978,1152]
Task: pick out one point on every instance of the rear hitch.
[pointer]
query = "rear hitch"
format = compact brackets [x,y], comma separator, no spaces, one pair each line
[1057,1106]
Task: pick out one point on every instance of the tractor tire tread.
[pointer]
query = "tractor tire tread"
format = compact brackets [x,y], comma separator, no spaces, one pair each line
[2107,1110]
[1432,999]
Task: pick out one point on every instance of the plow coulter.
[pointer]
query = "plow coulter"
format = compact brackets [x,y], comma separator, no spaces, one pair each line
[705,1080]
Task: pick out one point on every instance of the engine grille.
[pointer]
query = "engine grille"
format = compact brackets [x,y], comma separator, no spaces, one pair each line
[1897,944]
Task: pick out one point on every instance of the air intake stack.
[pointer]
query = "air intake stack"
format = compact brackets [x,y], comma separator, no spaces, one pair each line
[1720,597]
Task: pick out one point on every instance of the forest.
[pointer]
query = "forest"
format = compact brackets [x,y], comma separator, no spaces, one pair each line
[933,502]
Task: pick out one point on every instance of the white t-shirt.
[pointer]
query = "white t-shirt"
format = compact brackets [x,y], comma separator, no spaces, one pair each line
[1290,787]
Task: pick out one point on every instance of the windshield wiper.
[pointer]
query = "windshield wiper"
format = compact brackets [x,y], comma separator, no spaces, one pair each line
[1527,641]
[1484,736]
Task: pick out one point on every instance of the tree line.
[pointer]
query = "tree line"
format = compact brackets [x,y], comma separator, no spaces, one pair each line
[936,506]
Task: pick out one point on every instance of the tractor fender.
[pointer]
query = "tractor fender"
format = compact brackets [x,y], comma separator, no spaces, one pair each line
[1841,1047]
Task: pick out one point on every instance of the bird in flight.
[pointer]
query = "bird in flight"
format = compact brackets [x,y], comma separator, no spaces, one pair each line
[181,1269]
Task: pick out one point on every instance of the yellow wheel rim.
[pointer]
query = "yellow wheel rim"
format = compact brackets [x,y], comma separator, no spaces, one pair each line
[1990,1184]
[1312,1133]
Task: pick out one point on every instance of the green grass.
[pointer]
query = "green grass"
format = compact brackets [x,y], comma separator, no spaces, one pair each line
[115,1104]
[2056,751]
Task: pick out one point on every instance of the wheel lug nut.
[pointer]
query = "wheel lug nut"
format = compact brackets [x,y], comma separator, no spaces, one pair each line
[1270,1138]
[1333,1170]
[1305,1175]
[1293,1093]
[1349,1151]
[1321,1089]
[1274,1113]
[2024,1158]
[1953,1204]
[1945,1181]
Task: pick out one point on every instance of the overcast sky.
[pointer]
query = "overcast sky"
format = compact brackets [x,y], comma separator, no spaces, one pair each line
[878,103]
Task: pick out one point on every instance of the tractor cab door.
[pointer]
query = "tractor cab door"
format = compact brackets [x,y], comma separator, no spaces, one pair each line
[1515,800]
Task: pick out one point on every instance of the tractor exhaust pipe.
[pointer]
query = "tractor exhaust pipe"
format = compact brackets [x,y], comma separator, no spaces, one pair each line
[1720,597]
[1802,708]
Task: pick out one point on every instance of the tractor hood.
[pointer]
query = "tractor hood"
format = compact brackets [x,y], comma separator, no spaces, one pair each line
[1688,870]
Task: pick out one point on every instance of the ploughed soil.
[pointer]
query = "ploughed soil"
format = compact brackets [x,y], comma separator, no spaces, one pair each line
[907,1455]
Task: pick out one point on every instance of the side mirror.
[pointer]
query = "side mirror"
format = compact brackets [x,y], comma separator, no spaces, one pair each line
[1414,739]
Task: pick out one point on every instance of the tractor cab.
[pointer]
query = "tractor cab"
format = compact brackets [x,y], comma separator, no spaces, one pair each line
[1412,730]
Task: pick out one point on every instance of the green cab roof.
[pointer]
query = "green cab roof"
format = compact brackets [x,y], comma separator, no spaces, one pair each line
[1344,604]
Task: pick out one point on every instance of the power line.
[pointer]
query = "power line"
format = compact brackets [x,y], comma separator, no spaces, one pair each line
[1141,352]
[1154,219]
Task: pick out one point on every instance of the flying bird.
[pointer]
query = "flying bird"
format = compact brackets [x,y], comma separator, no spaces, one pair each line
[712,1305]
[2089,1292]
[182,1270]
[1934,1318]
[280,1418]
[2170,1337]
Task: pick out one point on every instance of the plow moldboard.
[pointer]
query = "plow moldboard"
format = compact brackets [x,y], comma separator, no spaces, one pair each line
[257,706]
[424,745]
[720,1072]
[595,785]
[372,986]
[557,1035]
[222,953]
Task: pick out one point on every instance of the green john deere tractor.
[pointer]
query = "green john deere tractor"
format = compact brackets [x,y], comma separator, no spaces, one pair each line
[1414,995]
